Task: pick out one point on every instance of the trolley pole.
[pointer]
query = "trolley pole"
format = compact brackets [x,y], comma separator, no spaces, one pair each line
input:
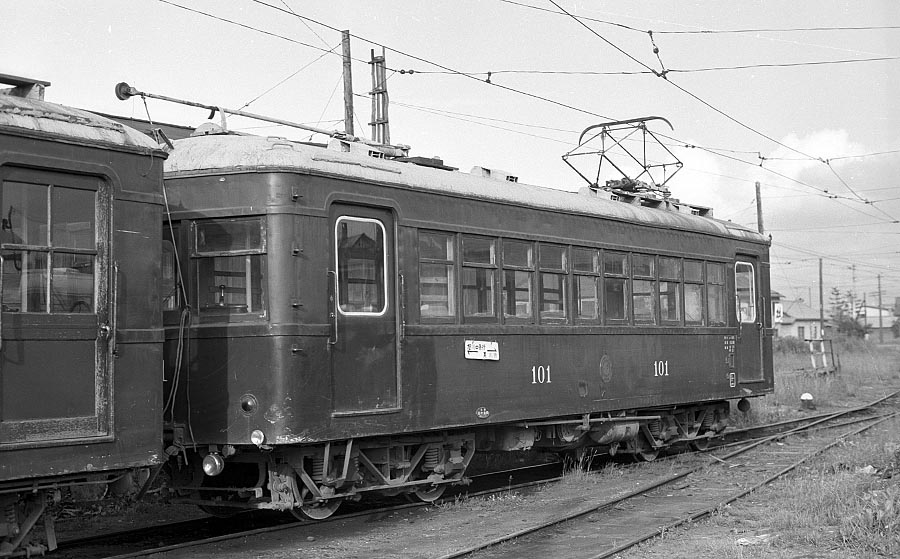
[348,84]
[759,213]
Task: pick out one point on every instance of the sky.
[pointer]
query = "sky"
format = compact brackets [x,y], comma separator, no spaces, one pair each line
[800,96]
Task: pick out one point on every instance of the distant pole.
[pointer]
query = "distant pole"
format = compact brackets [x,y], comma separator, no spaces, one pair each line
[821,304]
[348,84]
[880,323]
[759,214]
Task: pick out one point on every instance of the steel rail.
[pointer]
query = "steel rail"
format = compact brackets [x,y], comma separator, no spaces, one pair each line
[817,420]
[666,481]
[709,510]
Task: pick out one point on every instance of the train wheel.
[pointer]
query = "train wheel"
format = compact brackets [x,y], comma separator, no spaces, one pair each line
[317,511]
[644,451]
[700,444]
[429,494]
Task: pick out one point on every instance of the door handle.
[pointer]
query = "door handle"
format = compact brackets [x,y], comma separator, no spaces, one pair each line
[333,315]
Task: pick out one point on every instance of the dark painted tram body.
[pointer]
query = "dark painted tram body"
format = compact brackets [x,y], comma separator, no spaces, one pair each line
[81,354]
[348,323]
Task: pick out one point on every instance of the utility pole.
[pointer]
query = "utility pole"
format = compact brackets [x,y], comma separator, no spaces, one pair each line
[381,132]
[348,84]
[821,304]
[880,323]
[759,213]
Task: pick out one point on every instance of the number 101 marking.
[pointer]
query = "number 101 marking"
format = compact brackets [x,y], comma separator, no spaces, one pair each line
[660,368]
[540,374]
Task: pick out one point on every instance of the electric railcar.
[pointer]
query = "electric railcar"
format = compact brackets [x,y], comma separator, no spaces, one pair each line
[340,323]
[81,326]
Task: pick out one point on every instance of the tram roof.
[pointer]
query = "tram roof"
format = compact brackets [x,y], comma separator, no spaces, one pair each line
[29,116]
[217,153]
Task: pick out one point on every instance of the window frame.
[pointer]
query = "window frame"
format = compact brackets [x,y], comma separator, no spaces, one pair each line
[529,268]
[695,282]
[49,181]
[561,275]
[453,290]
[624,277]
[385,296]
[678,280]
[753,296]
[653,293]
[492,270]
[720,285]
[595,273]
[195,256]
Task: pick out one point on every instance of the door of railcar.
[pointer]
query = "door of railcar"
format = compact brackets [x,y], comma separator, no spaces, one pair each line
[750,315]
[54,358]
[363,342]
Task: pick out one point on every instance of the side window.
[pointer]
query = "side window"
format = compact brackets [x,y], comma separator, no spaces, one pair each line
[715,291]
[745,291]
[49,248]
[586,267]
[517,279]
[437,275]
[554,267]
[615,292]
[478,276]
[669,289]
[229,263]
[361,265]
[693,292]
[643,271]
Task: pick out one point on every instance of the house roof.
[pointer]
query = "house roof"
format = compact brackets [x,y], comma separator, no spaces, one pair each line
[799,310]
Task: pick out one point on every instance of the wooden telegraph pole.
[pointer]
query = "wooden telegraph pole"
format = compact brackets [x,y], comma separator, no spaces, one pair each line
[759,214]
[348,84]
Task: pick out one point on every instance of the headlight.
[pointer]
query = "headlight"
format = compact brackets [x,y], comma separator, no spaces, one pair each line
[213,464]
[257,437]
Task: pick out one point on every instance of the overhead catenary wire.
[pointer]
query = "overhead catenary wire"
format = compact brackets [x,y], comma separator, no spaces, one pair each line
[716,31]
[823,191]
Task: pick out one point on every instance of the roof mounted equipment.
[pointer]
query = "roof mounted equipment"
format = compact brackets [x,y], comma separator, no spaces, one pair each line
[611,137]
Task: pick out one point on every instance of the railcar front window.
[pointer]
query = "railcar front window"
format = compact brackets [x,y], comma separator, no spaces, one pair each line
[437,281]
[361,266]
[229,259]
[49,248]
[745,291]
[715,291]
[479,263]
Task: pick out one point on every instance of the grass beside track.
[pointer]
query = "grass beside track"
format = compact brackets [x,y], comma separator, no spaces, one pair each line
[845,504]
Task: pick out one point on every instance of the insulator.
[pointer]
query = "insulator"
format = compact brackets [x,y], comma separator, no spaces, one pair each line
[432,458]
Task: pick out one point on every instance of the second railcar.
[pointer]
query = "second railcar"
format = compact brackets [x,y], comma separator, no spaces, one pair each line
[80,327]
[344,323]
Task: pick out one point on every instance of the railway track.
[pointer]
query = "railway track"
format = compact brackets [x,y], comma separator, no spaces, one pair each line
[619,509]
